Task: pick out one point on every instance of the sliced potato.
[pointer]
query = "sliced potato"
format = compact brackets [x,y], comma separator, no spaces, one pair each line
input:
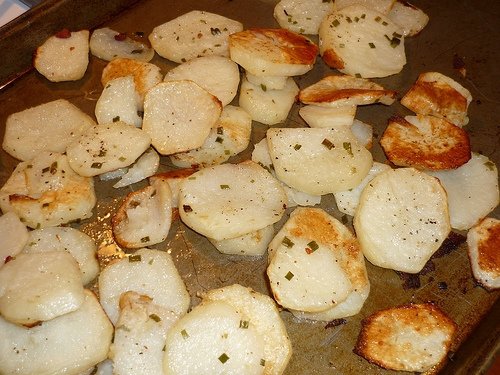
[218,75]
[39,287]
[148,272]
[64,56]
[472,190]
[230,200]
[402,219]
[382,6]
[360,41]
[194,34]
[178,116]
[145,166]
[104,368]
[328,117]
[411,19]
[302,16]
[363,133]
[252,244]
[272,52]
[267,106]
[69,344]
[107,147]
[318,161]
[48,127]
[174,178]
[109,44]
[267,82]
[13,236]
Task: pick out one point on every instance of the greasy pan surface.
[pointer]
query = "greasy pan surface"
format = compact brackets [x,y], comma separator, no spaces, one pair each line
[464,29]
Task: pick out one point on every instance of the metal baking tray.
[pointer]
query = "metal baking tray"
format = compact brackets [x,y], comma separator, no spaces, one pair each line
[462,31]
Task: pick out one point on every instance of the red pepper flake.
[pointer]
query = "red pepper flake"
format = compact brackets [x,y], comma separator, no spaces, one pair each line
[120,37]
[63,34]
[8,258]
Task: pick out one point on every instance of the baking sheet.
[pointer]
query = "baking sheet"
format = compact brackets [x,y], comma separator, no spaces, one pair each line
[463,29]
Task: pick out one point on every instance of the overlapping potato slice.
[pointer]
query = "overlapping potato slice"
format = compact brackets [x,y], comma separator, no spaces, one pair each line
[13,236]
[302,16]
[194,34]
[318,161]
[108,44]
[328,117]
[39,287]
[344,90]
[438,95]
[259,311]
[107,147]
[229,136]
[472,190]
[252,244]
[147,272]
[402,219]
[48,127]
[47,192]
[414,337]
[218,75]
[145,166]
[272,52]
[178,116]
[230,200]
[483,242]
[363,133]
[174,178]
[267,82]
[119,101]
[382,6]
[359,41]
[410,18]
[425,142]
[140,335]
[69,344]
[78,244]
[64,56]
[144,217]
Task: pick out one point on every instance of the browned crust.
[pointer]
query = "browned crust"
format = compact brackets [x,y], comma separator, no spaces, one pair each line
[122,67]
[489,247]
[173,174]
[332,59]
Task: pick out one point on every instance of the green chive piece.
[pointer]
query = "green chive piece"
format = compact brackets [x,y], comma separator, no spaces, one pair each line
[219,139]
[313,245]
[289,276]
[224,187]
[220,130]
[155,317]
[184,334]
[244,324]
[287,242]
[145,239]
[357,75]
[347,146]
[223,357]
[96,165]
[116,119]
[122,158]
[378,19]
[263,87]
[371,45]
[135,258]
[328,144]
[335,23]
[297,147]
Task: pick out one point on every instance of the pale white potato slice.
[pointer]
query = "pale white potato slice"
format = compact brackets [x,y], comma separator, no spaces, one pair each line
[112,175]
[411,19]
[119,101]
[230,200]
[229,136]
[146,75]
[144,217]
[78,244]
[214,338]
[302,16]
[178,116]
[260,311]
[267,106]
[328,117]
[107,147]
[252,244]
[104,368]
[382,6]
[218,75]
[13,236]
[174,178]
[402,219]
[48,127]
[149,272]
[272,52]
[63,56]
[483,241]
[69,344]
[194,34]
[140,335]
[39,287]
[46,192]
[472,190]
[318,161]
[267,82]
[360,41]
[363,133]
[108,44]
[348,200]
[414,337]
[144,167]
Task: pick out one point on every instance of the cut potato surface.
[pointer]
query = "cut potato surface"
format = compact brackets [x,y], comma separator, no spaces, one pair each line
[318,161]
[402,219]
[472,190]
[48,127]
[363,133]
[69,344]
[64,56]
[328,117]
[252,244]
[410,18]
[413,337]
[230,200]
[148,272]
[145,166]
[178,116]
[382,6]
[13,236]
[425,142]
[107,147]
[218,75]
[360,41]
[267,82]
[302,16]
[194,34]
[272,52]
[109,44]
[39,287]
[174,178]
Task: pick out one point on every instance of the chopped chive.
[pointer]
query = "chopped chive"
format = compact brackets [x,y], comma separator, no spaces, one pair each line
[45,170]
[244,324]
[341,45]
[122,158]
[136,51]
[184,334]
[490,165]
[145,239]
[220,130]
[135,258]
[348,19]
[395,42]
[363,16]
[371,45]
[96,165]
[357,75]
[328,144]
[227,152]
[223,358]
[53,168]
[219,139]
[215,31]
[287,242]
[335,23]
[224,187]
[262,362]
[313,245]
[396,35]
[378,19]
[347,146]
[263,87]
[117,118]
[155,317]
[102,153]
[289,276]
[297,147]
[384,23]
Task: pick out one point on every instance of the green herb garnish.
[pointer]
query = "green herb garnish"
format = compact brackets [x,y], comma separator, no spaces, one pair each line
[135,258]
[287,242]
[289,276]
[155,317]
[328,144]
[223,357]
